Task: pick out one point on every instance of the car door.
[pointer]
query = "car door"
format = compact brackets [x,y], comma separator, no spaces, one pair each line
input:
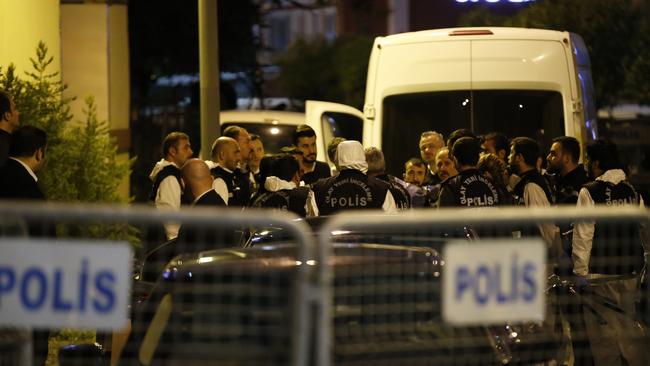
[335,120]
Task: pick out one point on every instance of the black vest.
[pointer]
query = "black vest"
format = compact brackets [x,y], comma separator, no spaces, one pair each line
[293,200]
[349,190]
[616,248]
[566,189]
[532,176]
[400,194]
[164,173]
[238,184]
[471,189]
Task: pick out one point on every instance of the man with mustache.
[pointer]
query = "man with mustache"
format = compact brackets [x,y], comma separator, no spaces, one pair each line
[305,140]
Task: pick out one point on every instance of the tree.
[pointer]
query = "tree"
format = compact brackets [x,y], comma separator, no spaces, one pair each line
[611,29]
[332,71]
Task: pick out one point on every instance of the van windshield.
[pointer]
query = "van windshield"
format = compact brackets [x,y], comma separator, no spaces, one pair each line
[534,113]
[274,137]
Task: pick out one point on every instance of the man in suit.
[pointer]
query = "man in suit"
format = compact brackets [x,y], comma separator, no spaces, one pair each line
[197,181]
[18,179]
[198,184]
[9,121]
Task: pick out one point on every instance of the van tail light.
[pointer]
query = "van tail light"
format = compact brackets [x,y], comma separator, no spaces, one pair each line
[471,32]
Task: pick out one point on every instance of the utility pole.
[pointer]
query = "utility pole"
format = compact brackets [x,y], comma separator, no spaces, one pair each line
[209,74]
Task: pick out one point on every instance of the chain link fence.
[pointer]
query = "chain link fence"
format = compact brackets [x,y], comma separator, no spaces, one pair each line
[265,288]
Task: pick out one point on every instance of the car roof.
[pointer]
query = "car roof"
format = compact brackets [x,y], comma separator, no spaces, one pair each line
[444,34]
[262,116]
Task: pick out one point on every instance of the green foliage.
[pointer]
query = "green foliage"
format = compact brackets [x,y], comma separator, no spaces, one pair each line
[611,29]
[333,71]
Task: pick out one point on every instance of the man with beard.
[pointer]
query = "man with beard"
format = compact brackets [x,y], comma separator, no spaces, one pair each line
[532,190]
[227,183]
[257,153]
[446,168]
[305,140]
[568,176]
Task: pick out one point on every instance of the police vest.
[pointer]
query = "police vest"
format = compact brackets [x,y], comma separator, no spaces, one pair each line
[566,189]
[169,170]
[532,176]
[293,200]
[616,248]
[471,189]
[399,192]
[238,186]
[351,189]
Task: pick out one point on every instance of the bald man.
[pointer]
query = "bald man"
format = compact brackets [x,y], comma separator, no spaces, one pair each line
[197,180]
[229,182]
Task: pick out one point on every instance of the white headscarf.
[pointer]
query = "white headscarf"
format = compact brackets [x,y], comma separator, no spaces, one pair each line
[350,155]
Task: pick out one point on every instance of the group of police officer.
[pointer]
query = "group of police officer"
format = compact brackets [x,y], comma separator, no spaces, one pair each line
[465,171]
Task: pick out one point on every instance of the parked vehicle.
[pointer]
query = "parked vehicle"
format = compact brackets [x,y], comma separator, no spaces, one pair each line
[523,82]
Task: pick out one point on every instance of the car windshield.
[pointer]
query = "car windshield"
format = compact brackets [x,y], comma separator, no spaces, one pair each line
[273,136]
[534,113]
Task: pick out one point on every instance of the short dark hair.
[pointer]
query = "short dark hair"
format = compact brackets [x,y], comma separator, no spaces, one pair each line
[605,153]
[466,150]
[569,145]
[285,166]
[500,141]
[232,131]
[457,134]
[528,148]
[375,160]
[5,104]
[303,131]
[172,140]
[414,161]
[331,147]
[26,140]
[255,137]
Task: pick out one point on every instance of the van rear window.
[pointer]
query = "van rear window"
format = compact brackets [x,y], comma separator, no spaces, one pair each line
[534,113]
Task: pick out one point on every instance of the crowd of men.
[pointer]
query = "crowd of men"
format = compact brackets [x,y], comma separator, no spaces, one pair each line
[465,170]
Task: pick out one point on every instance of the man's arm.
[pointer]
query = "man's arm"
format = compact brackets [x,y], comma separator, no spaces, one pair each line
[534,196]
[168,197]
[219,186]
[583,235]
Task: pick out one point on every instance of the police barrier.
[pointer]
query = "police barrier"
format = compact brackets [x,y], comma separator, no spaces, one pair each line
[205,297]
[372,292]
[480,286]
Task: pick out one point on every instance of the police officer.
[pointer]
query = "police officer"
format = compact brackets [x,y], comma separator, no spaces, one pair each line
[568,176]
[469,188]
[229,182]
[377,169]
[352,188]
[614,264]
[282,189]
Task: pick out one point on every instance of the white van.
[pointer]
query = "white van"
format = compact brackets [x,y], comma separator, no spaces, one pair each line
[522,82]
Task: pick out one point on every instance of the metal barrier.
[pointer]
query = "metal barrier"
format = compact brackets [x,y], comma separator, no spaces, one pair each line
[382,281]
[252,287]
[215,301]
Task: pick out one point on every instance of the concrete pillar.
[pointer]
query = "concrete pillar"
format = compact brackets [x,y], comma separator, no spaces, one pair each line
[209,75]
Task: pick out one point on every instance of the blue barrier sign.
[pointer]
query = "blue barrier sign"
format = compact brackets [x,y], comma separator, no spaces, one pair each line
[45,284]
[494,281]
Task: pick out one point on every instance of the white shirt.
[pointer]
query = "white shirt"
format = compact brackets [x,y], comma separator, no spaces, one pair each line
[220,186]
[583,231]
